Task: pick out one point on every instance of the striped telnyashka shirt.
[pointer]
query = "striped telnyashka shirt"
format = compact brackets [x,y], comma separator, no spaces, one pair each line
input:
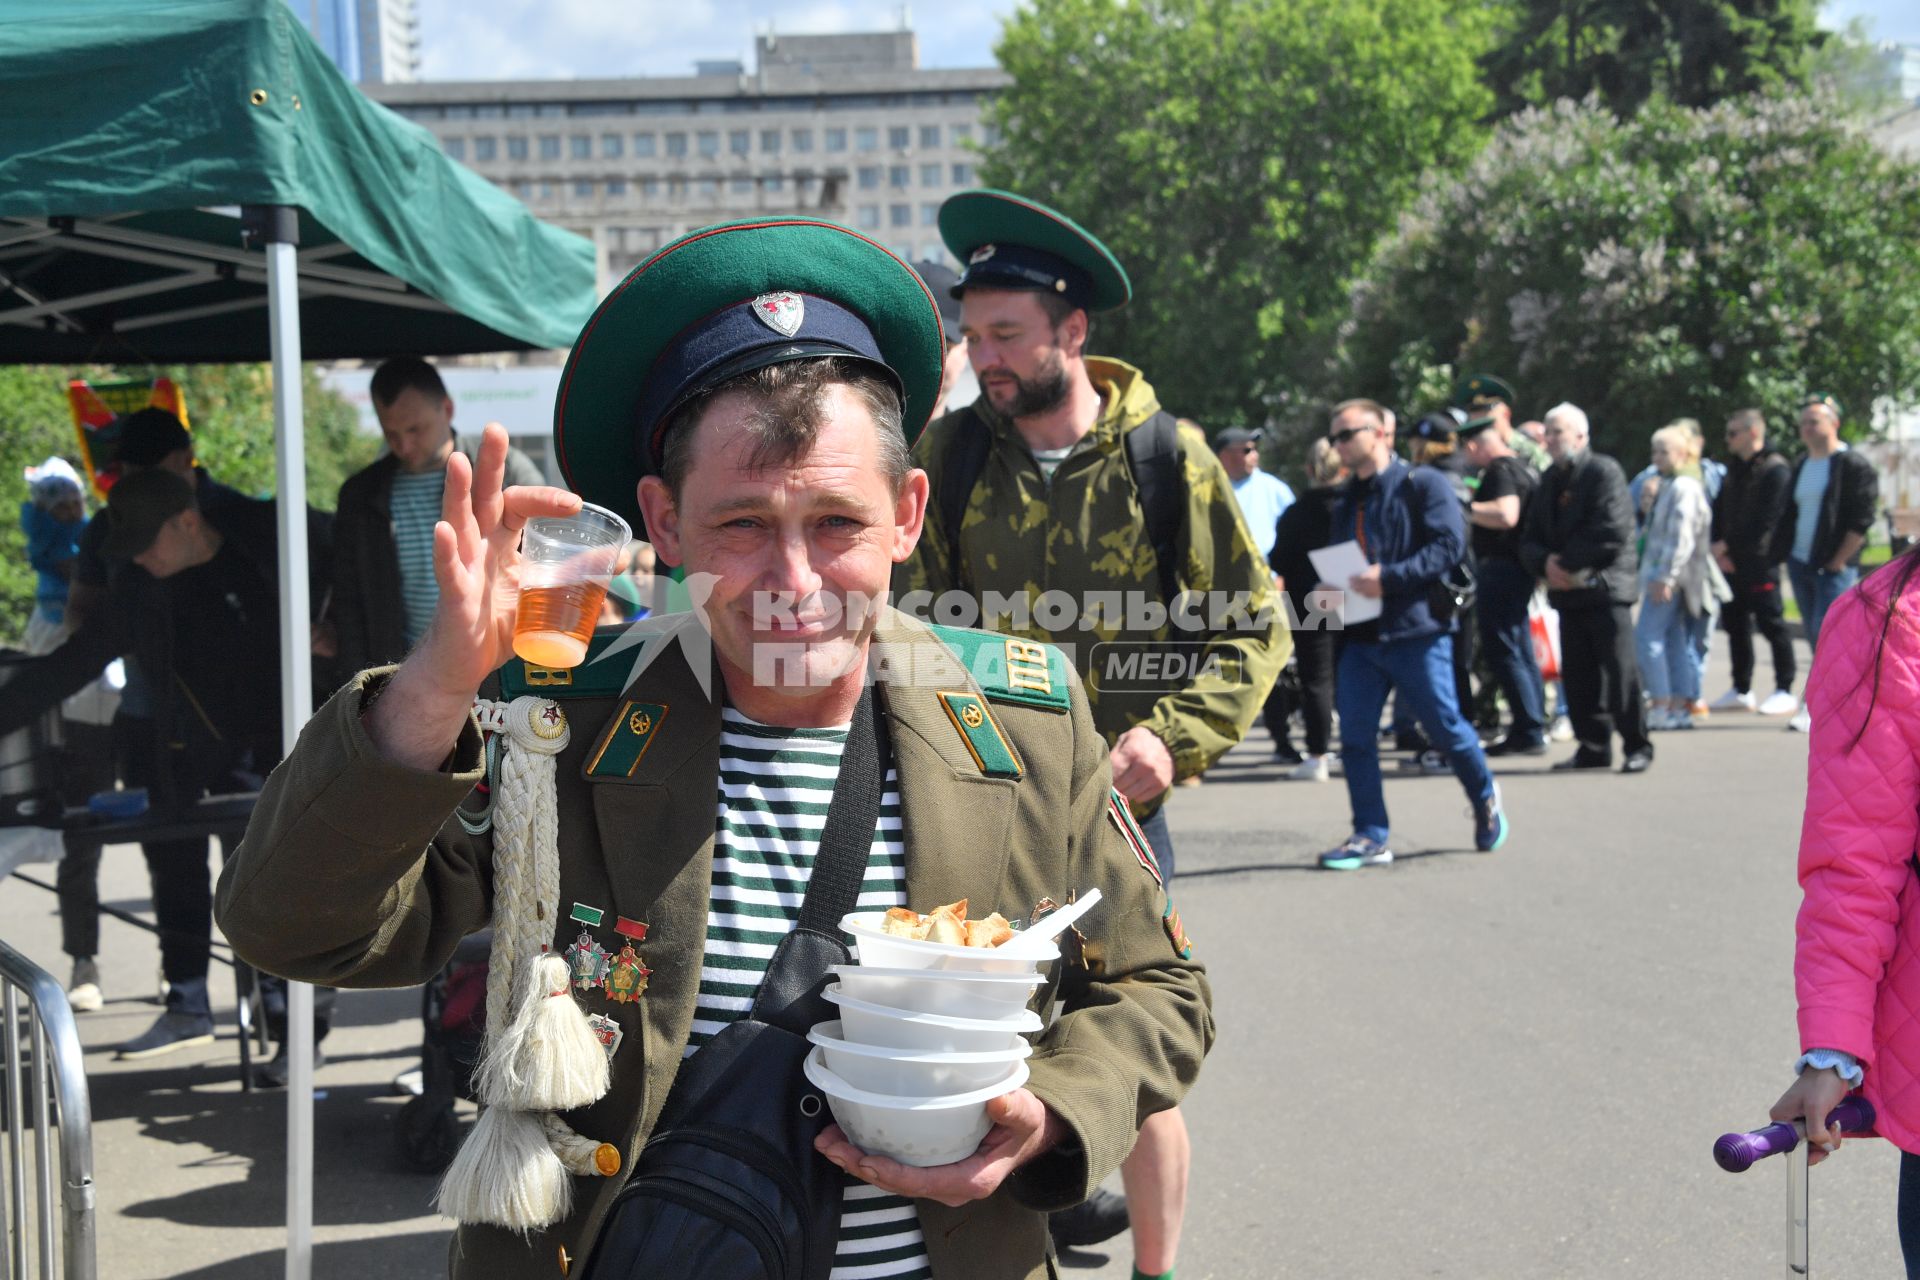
[775,786]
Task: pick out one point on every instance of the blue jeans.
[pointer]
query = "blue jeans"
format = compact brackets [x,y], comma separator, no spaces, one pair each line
[1420,673]
[1666,640]
[1815,590]
[1505,589]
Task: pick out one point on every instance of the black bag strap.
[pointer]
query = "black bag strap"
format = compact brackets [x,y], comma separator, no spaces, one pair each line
[965,462]
[1153,458]
[853,816]
[1159,476]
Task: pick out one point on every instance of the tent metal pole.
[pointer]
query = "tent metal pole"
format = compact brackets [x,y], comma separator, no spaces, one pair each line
[278,228]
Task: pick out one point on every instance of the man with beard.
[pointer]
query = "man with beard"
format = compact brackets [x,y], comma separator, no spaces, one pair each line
[1068,508]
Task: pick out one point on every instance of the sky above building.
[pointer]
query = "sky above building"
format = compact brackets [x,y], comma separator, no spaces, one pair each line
[585,39]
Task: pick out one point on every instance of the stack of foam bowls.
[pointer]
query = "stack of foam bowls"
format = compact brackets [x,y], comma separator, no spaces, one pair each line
[928,1034]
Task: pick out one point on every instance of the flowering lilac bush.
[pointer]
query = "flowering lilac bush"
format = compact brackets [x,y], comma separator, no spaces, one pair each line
[1682,262]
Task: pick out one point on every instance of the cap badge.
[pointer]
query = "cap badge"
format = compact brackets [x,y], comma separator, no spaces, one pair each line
[780,312]
[981,254]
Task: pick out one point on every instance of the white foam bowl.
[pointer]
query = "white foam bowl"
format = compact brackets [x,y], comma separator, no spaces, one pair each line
[874,946]
[911,1072]
[957,993]
[864,1022]
[922,1132]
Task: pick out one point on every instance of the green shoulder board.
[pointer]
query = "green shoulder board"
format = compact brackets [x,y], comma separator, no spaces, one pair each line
[1010,669]
[591,679]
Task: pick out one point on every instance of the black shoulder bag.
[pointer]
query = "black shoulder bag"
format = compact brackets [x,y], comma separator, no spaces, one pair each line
[729,1184]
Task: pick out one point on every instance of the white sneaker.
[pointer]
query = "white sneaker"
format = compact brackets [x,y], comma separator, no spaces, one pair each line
[1779,703]
[1802,721]
[1734,700]
[83,991]
[1561,730]
[1312,769]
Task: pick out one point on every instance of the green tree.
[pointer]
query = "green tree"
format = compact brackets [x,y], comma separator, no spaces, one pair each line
[1681,263]
[231,407]
[1241,158]
[1692,52]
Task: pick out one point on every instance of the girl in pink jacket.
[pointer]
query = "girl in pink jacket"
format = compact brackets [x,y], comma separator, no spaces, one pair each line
[1857,962]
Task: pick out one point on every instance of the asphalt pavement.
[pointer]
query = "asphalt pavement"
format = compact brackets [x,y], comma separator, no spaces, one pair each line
[1462,1065]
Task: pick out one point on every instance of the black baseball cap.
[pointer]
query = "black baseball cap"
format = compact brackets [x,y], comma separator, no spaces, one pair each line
[1237,435]
[139,505]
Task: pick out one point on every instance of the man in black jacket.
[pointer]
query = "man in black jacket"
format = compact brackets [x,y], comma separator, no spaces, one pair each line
[1834,493]
[1745,517]
[1578,535]
[383,585]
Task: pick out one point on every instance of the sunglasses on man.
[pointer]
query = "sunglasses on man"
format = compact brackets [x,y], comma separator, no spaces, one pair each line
[1345,434]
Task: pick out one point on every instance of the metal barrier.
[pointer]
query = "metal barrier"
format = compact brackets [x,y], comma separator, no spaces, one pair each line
[44,1068]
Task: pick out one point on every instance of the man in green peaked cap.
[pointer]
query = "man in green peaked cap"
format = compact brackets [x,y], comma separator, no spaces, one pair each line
[748,397]
[1485,400]
[1068,508]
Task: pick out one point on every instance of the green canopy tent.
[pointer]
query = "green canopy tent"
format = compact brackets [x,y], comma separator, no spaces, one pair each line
[172,169]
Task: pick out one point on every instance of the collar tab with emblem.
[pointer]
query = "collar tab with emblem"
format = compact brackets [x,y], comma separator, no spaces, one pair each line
[626,739]
[991,752]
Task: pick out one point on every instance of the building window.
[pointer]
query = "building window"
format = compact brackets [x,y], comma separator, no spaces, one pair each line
[770,141]
[643,144]
[580,146]
[484,150]
[549,146]
[741,186]
[612,146]
[869,216]
[616,187]
[740,141]
[488,111]
[546,191]
[869,177]
[774,182]
[899,176]
[709,142]
[929,213]
[516,148]
[836,139]
[583,189]
[929,175]
[524,190]
[866,139]
[520,111]
[456,148]
[961,134]
[962,175]
[803,139]
[677,145]
[649,187]
[990,135]
[707,188]
[898,136]
[899,215]
[929,135]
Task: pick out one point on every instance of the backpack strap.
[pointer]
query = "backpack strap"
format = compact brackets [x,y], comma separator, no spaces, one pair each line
[1159,476]
[965,461]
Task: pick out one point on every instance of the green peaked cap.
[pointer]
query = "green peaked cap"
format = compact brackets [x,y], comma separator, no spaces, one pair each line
[973,221]
[616,363]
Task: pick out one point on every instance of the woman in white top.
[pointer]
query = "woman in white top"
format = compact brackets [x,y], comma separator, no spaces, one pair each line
[1680,587]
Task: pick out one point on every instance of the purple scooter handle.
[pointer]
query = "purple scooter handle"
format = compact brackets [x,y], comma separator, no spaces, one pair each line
[1736,1152]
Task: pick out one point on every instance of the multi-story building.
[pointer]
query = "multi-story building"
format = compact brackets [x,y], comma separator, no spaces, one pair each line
[369,40]
[847,127]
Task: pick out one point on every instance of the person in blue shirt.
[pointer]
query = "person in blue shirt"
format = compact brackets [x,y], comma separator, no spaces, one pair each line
[1261,494]
[1410,528]
[52,519]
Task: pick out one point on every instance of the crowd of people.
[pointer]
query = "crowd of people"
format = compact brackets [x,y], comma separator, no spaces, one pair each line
[778,450]
[1486,559]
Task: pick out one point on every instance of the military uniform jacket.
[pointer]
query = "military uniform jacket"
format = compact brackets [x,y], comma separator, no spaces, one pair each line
[357,872]
[1084,534]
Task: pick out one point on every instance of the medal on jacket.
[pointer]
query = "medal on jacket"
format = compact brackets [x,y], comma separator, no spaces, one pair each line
[627,978]
[587,960]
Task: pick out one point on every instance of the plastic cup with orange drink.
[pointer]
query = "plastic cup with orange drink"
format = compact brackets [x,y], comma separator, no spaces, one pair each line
[566,563]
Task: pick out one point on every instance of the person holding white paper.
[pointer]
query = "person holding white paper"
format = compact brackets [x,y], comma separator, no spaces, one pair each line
[1407,528]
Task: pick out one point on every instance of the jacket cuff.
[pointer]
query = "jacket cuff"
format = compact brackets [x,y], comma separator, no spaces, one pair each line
[1085,1093]
[1829,1028]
